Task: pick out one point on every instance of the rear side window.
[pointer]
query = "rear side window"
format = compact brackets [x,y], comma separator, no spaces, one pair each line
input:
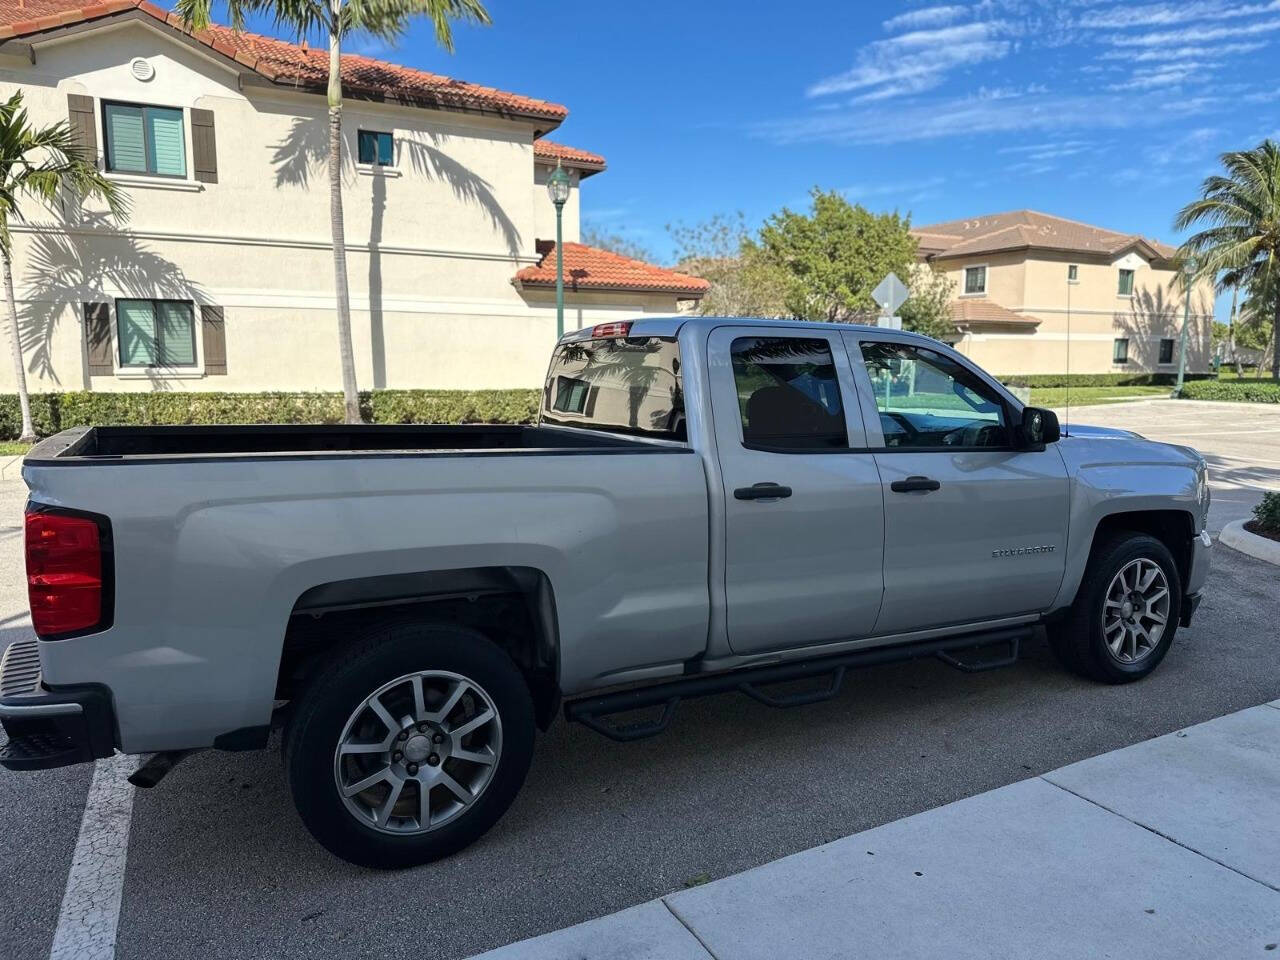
[622,385]
[788,395]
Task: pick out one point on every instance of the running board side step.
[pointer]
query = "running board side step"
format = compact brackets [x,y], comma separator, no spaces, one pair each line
[970,653]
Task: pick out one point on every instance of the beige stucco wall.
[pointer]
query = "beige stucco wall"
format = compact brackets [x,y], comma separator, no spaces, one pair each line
[1035,283]
[432,243]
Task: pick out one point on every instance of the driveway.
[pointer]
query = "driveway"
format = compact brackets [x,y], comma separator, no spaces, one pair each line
[218,864]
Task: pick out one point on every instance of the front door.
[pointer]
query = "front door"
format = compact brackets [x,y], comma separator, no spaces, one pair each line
[974,529]
[803,509]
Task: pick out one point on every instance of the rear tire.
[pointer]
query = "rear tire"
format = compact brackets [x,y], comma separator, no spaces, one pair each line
[1125,614]
[437,719]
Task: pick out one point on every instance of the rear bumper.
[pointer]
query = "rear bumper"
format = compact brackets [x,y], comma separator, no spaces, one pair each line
[49,727]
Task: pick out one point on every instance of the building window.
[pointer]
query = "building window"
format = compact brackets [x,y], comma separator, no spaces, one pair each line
[1125,289]
[144,139]
[156,333]
[975,279]
[1073,273]
[1120,350]
[375,148]
[1166,350]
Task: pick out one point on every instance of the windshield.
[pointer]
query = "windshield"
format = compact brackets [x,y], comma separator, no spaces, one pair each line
[621,385]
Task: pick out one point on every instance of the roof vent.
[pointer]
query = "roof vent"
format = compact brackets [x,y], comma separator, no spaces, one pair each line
[142,69]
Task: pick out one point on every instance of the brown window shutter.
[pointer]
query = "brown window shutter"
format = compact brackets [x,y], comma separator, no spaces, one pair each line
[84,125]
[97,339]
[204,146]
[214,333]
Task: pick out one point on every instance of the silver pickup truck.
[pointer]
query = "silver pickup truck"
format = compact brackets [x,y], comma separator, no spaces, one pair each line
[704,505]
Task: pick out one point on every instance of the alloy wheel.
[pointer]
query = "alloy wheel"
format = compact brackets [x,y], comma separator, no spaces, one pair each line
[418,752]
[1136,610]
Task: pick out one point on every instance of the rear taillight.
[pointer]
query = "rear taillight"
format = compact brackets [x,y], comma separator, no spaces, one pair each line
[607,331]
[66,575]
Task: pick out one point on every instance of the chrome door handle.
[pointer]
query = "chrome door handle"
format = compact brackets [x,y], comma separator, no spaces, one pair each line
[762,491]
[914,483]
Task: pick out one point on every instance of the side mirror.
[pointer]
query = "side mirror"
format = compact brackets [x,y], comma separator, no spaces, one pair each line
[1039,426]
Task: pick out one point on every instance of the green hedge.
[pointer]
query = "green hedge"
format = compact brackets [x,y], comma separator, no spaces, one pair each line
[1239,391]
[1097,379]
[58,411]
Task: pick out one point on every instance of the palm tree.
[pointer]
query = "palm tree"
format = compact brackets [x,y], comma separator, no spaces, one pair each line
[39,162]
[385,19]
[1240,246]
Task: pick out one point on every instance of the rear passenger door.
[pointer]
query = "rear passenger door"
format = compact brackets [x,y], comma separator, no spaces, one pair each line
[974,528]
[803,511]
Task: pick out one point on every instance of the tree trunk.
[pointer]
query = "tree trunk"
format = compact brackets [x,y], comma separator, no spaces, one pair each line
[1275,340]
[15,342]
[350,396]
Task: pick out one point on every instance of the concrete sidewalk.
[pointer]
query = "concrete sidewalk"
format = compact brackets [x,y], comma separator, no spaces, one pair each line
[1168,848]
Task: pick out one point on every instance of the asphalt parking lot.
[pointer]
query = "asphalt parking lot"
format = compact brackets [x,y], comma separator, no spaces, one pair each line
[220,866]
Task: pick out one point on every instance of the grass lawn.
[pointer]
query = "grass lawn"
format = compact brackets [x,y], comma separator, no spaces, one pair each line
[11,448]
[1084,396]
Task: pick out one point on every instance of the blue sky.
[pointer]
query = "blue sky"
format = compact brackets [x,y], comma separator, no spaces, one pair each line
[1100,111]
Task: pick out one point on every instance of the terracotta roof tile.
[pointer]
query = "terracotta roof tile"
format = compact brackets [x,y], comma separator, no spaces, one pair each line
[981,310]
[290,63]
[570,156]
[590,268]
[1020,229]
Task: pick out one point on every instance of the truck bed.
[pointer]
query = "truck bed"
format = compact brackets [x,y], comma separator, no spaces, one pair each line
[89,444]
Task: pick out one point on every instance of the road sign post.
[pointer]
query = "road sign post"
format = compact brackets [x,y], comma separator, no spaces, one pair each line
[890,293]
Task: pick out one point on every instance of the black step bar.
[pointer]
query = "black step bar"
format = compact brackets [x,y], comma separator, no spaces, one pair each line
[970,653]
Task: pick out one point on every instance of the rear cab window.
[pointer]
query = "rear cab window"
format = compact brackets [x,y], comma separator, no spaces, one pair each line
[788,394]
[628,385]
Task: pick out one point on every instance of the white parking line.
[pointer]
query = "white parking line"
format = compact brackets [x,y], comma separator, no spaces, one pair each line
[91,906]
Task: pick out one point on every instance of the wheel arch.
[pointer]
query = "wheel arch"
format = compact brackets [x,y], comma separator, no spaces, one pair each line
[1172,526]
[513,605]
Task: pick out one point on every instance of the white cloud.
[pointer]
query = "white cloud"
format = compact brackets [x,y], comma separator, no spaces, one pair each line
[1191,35]
[925,17]
[1218,52]
[1172,14]
[1150,78]
[982,116]
[905,189]
[918,60]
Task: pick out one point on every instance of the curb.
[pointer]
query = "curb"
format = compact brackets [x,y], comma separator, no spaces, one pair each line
[1234,535]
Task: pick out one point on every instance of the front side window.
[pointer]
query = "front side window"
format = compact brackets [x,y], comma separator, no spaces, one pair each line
[1166,351]
[375,148]
[926,399]
[975,279]
[156,333]
[1120,350]
[788,395]
[1125,288]
[619,384]
[144,139]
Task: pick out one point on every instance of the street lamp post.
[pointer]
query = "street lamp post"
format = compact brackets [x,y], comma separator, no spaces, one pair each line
[558,190]
[1188,274]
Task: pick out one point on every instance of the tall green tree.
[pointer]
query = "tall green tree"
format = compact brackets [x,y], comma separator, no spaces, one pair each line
[39,163]
[835,255]
[337,19]
[1239,245]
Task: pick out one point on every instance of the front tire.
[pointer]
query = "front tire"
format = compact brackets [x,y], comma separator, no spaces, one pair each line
[410,745]
[1125,614]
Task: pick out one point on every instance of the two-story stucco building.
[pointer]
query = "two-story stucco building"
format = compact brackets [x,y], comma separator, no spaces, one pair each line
[222,276]
[1029,285]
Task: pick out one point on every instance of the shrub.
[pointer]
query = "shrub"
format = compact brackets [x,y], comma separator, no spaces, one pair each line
[1096,379]
[1266,515]
[1240,391]
[58,411]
